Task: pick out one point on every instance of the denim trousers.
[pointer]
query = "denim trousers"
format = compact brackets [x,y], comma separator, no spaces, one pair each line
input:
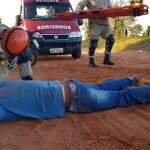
[110,94]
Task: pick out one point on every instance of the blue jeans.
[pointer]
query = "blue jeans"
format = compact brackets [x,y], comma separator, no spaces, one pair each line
[110,94]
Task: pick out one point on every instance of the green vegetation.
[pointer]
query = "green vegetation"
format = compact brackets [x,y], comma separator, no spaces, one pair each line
[128,34]
[130,43]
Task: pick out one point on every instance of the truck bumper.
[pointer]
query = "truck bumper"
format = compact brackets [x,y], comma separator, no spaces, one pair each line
[58,47]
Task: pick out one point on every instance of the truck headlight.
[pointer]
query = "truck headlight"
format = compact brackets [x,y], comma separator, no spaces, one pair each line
[75,35]
[37,35]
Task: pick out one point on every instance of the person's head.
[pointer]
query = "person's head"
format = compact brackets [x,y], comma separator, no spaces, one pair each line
[14,40]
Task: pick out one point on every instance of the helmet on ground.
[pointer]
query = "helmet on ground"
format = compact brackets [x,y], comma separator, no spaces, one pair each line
[15,41]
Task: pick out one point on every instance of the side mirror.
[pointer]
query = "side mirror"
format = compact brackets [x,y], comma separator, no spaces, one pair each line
[18,20]
[80,22]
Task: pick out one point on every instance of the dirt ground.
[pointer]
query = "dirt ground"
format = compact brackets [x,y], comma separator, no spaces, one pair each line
[118,129]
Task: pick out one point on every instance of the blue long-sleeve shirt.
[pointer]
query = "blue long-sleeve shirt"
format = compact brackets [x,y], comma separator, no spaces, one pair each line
[33,99]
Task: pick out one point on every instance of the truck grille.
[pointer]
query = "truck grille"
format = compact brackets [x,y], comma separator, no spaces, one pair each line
[55,37]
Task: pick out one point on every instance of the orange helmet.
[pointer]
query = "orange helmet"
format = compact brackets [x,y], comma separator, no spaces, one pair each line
[15,41]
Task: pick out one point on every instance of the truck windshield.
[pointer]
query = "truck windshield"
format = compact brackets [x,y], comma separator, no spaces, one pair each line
[45,10]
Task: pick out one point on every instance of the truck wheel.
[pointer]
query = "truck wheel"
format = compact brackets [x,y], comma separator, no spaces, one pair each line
[76,54]
[34,57]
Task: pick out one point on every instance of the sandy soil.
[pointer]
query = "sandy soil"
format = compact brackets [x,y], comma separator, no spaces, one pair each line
[117,129]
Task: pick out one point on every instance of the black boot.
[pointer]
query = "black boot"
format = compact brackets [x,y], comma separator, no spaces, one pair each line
[27,78]
[91,62]
[107,60]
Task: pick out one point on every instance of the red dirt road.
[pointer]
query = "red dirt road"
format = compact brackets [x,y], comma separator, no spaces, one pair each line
[119,129]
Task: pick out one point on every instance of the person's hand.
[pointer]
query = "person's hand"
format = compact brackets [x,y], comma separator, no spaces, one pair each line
[77,11]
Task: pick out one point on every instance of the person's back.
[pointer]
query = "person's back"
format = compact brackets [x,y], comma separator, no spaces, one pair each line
[32,99]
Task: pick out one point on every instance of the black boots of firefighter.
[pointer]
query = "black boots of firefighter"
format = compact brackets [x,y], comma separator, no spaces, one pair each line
[27,78]
[92,62]
[107,60]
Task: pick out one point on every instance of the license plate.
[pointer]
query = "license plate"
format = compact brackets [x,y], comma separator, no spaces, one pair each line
[56,50]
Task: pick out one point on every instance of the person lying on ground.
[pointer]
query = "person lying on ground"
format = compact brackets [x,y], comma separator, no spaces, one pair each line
[51,99]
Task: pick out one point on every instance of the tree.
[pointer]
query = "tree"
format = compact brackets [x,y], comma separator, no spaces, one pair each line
[148,31]
[122,24]
[136,30]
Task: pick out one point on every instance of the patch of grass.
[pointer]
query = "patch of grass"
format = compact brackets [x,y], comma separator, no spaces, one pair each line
[125,43]
[129,43]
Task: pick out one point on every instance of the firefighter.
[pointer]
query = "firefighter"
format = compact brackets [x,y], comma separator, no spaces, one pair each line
[11,41]
[98,28]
